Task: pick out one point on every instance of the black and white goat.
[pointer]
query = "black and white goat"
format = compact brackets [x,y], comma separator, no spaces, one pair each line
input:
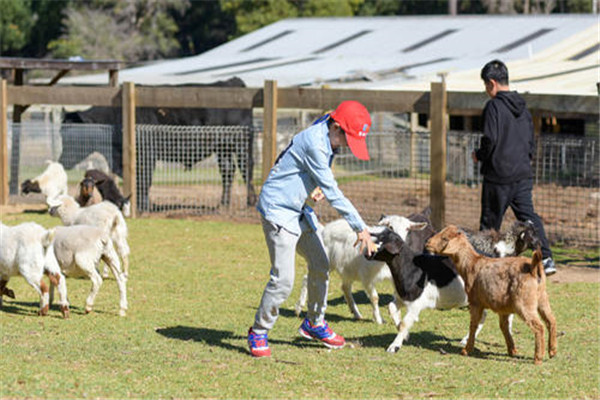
[51,183]
[346,259]
[426,281]
[520,237]
[422,281]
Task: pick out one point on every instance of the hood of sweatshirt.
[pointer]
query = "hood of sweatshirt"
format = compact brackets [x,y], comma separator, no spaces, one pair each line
[513,101]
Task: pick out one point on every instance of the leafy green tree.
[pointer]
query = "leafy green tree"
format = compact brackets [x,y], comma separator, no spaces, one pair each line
[203,26]
[16,21]
[120,29]
[47,16]
[251,15]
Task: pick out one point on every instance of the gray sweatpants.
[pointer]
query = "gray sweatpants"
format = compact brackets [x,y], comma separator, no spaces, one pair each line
[282,246]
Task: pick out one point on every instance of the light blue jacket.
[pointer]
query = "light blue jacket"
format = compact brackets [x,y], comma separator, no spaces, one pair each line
[299,169]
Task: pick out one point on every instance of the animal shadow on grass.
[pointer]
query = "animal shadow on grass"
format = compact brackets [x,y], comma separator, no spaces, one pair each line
[34,211]
[31,309]
[442,345]
[359,297]
[329,317]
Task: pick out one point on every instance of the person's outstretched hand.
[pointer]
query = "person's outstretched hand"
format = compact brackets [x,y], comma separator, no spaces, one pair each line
[364,237]
[317,194]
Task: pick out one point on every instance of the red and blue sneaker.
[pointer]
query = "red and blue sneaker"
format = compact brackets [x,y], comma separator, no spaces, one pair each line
[321,332]
[259,347]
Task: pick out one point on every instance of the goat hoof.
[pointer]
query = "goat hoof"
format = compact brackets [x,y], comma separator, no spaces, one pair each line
[122,313]
[393,349]
[513,352]
[88,310]
[552,353]
[537,362]
[464,352]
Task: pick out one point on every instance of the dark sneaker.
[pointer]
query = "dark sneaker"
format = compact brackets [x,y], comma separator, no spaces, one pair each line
[259,347]
[321,332]
[549,267]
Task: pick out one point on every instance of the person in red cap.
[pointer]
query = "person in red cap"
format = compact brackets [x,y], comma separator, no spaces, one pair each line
[303,171]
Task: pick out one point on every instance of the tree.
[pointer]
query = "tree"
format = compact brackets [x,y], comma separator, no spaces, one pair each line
[47,16]
[203,26]
[251,15]
[16,21]
[120,29]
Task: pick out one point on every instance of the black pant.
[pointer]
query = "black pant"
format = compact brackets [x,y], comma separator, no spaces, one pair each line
[495,199]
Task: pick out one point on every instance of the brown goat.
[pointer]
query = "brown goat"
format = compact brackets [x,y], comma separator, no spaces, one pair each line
[504,285]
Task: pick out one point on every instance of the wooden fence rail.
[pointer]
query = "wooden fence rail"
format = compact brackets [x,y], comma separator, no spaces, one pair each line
[437,103]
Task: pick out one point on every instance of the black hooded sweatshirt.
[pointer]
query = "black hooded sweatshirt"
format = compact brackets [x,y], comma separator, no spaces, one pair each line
[507,144]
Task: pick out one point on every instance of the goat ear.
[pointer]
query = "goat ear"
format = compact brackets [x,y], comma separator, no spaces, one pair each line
[453,245]
[382,217]
[127,199]
[426,211]
[418,226]
[392,247]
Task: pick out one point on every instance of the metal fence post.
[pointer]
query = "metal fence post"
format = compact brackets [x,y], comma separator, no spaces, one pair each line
[129,151]
[437,182]
[269,147]
[3,144]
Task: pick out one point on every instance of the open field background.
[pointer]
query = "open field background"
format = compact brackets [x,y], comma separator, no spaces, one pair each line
[193,289]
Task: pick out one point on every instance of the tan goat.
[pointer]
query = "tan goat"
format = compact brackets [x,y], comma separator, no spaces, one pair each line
[504,285]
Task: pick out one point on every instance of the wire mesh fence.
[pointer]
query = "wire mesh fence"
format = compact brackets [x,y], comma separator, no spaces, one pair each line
[193,170]
[197,169]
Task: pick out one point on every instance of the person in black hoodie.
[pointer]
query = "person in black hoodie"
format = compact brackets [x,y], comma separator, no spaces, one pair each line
[505,153]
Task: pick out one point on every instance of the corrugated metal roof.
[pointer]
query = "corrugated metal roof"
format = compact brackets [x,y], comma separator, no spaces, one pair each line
[547,53]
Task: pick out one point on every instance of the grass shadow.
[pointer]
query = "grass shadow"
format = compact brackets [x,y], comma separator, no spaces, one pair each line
[34,211]
[330,317]
[212,337]
[361,297]
[220,338]
[442,345]
[30,309]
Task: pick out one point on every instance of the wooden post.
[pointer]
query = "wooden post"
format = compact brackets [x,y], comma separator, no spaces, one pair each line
[269,128]
[539,155]
[113,77]
[437,183]
[414,144]
[3,144]
[129,151]
[16,137]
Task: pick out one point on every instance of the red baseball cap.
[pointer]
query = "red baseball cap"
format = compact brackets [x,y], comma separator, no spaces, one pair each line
[355,120]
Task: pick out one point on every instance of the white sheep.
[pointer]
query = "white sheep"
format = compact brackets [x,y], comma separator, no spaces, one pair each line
[346,260]
[79,249]
[104,215]
[51,183]
[26,251]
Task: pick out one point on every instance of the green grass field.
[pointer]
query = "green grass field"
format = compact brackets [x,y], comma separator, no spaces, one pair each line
[193,290]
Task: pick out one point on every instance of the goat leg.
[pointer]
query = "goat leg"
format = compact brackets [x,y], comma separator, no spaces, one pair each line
[505,328]
[533,322]
[546,313]
[476,313]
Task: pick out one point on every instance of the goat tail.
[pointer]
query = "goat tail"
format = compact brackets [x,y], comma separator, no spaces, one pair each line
[537,268]
[48,237]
